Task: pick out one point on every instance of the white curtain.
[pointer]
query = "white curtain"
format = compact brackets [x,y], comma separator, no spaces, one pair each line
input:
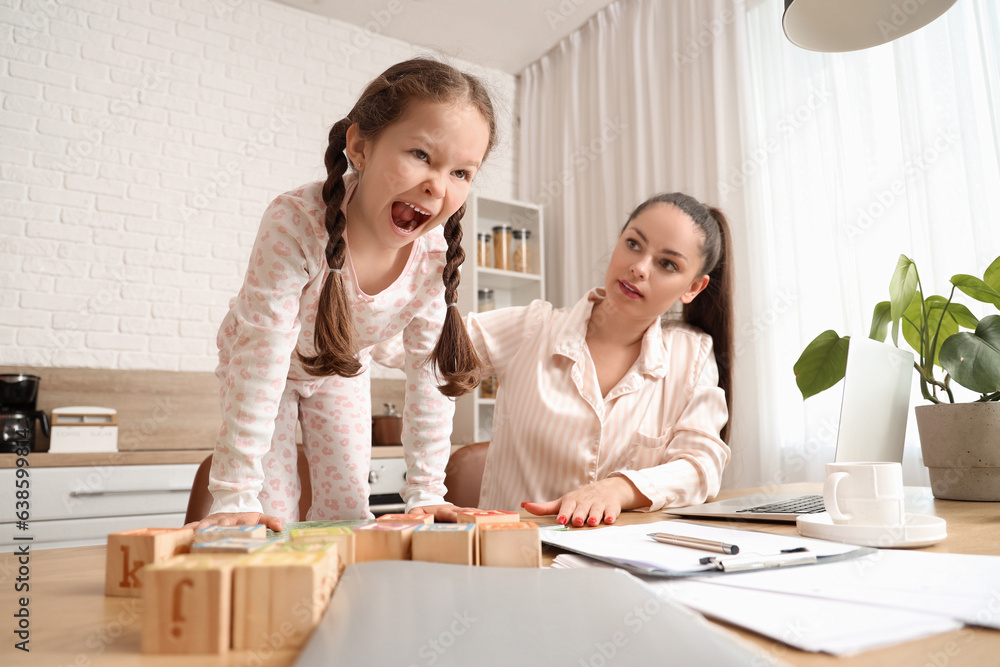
[827,165]
[628,106]
[641,100]
[861,157]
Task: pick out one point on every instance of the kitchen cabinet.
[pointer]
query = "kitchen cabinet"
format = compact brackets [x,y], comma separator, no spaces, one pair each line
[510,287]
[80,505]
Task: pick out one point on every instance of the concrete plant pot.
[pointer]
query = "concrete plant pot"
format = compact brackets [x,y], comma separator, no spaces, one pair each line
[961,447]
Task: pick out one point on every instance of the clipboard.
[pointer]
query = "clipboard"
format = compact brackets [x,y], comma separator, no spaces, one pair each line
[630,548]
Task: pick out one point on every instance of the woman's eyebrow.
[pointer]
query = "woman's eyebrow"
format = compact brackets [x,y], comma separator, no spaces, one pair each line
[664,251]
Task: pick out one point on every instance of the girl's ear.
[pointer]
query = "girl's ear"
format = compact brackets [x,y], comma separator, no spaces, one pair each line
[696,287]
[357,146]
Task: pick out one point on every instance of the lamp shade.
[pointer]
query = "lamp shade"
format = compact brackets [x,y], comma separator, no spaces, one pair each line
[849,25]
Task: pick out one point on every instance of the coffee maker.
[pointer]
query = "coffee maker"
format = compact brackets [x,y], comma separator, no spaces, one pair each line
[18,394]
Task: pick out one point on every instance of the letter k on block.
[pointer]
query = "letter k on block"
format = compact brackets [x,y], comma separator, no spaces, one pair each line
[131,550]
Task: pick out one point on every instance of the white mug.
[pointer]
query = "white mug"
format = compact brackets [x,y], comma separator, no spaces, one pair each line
[864,494]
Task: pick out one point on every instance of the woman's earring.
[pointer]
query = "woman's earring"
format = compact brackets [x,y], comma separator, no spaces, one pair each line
[358,165]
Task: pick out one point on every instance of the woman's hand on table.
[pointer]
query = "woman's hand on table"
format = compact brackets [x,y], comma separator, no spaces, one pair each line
[236,519]
[442,513]
[591,505]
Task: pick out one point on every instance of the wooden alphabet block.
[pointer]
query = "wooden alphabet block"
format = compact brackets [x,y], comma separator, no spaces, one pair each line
[406,518]
[342,536]
[278,598]
[209,533]
[383,541]
[234,546]
[445,543]
[188,602]
[329,549]
[511,544]
[482,517]
[130,550]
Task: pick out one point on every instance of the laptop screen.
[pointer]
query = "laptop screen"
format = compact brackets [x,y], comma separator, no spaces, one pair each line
[876,402]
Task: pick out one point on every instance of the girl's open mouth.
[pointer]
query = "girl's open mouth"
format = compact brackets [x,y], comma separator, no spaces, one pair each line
[408,217]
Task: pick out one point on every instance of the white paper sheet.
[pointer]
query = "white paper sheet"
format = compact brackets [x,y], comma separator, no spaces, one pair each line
[808,624]
[963,587]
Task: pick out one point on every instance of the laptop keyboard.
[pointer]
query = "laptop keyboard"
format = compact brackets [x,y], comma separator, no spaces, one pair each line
[800,505]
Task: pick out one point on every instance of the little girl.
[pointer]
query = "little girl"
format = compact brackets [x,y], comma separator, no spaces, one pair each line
[603,408]
[337,267]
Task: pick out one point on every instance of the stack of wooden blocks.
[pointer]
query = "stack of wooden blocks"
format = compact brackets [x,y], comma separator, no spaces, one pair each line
[232,587]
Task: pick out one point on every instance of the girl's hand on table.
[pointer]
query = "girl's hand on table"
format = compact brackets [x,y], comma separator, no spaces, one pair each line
[591,505]
[442,513]
[236,519]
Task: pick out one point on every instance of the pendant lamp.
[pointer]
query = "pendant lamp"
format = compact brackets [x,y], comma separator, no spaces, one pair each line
[850,25]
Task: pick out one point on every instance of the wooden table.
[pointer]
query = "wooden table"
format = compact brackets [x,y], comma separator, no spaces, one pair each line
[73,624]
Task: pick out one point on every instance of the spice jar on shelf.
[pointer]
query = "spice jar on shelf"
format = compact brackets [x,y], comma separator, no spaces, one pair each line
[521,251]
[488,387]
[501,247]
[483,250]
[486,301]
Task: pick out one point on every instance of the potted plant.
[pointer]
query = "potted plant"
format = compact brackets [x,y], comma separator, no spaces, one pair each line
[960,441]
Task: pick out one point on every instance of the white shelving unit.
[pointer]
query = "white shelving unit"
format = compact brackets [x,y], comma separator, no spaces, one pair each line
[474,414]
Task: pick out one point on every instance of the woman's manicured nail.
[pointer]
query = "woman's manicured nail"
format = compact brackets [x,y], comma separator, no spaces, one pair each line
[562,520]
[592,521]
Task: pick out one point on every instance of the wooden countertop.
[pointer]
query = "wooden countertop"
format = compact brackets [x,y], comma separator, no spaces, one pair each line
[73,623]
[157,457]
[162,456]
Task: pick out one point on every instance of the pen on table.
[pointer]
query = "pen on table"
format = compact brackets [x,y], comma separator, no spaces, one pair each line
[695,543]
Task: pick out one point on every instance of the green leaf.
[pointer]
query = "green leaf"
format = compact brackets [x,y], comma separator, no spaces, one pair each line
[973,359]
[913,324]
[957,311]
[880,321]
[934,307]
[903,286]
[962,315]
[992,275]
[822,364]
[976,288]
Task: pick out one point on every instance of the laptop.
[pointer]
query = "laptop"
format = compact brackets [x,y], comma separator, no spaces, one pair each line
[872,427]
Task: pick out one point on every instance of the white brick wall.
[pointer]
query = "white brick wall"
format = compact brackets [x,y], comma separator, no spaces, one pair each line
[141,141]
